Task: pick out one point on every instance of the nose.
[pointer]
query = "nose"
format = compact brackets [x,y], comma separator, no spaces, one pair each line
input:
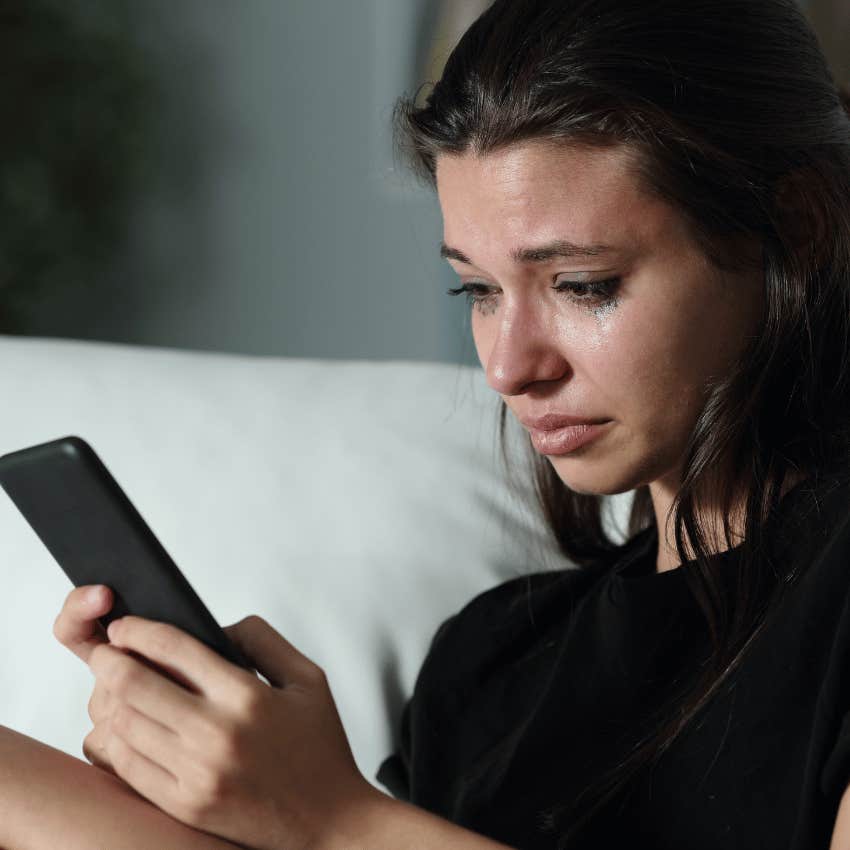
[523,351]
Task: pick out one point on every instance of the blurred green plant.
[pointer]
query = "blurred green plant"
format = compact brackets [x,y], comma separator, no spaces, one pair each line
[77,107]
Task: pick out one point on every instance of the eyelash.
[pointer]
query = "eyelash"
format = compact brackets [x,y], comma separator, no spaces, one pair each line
[599,294]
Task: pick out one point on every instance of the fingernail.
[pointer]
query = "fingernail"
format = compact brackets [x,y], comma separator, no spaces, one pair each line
[93,596]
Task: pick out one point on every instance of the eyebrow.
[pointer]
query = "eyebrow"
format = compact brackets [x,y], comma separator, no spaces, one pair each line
[541,254]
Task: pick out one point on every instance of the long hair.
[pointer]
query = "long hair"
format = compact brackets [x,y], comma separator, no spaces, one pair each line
[737,123]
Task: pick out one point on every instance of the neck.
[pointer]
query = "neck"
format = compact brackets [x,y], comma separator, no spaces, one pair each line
[662,501]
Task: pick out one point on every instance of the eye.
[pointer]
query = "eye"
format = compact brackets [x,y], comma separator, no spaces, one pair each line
[477,295]
[590,293]
[593,292]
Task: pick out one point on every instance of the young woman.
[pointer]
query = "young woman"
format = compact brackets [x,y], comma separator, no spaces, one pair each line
[648,207]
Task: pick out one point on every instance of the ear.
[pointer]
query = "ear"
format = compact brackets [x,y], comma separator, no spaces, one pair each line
[800,214]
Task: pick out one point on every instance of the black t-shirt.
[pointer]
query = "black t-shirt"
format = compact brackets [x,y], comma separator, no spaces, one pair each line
[540,684]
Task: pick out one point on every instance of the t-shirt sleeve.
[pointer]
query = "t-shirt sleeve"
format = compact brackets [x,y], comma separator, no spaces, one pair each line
[832,724]
[835,775]
[394,771]
[434,747]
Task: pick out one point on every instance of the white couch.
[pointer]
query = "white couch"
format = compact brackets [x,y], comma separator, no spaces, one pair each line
[354,505]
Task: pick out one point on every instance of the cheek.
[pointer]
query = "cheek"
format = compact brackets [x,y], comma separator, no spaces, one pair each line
[650,364]
[483,335]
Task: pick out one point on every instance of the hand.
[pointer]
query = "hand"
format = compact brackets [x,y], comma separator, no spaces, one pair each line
[267,766]
[78,629]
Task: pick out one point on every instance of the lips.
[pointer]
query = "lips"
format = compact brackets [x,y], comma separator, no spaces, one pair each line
[560,434]
[562,441]
[556,421]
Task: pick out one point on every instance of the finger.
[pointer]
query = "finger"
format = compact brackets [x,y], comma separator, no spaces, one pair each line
[130,681]
[94,749]
[179,654]
[155,742]
[77,627]
[99,702]
[271,653]
[150,780]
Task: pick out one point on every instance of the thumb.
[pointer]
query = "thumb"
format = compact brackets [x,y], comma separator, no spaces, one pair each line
[270,653]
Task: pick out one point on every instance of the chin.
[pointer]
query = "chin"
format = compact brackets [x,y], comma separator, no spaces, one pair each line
[622,465]
[595,478]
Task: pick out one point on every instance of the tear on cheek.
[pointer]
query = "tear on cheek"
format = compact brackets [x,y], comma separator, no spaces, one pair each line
[604,311]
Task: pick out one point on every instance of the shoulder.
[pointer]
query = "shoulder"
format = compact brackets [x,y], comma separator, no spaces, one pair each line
[495,606]
[490,610]
[812,527]
[530,606]
[505,622]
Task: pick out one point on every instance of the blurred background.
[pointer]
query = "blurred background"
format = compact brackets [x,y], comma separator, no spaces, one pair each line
[219,175]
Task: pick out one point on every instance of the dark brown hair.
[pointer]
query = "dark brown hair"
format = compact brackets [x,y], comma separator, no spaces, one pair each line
[737,123]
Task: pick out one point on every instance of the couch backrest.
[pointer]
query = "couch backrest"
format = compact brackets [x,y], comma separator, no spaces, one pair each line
[354,505]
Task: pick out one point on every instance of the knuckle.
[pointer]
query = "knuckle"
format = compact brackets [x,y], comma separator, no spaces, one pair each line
[95,752]
[94,706]
[59,628]
[90,745]
[202,798]
[192,811]
[211,788]
[124,679]
[64,628]
[248,700]
[316,674]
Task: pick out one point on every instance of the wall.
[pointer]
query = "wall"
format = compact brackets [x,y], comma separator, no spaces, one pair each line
[278,224]
[281,226]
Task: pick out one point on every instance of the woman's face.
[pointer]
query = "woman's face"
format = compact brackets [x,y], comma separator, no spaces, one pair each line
[591,300]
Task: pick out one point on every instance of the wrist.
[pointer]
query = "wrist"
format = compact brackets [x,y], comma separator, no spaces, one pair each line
[377,821]
[363,822]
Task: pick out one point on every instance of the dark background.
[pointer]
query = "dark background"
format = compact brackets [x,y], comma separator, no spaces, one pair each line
[215,174]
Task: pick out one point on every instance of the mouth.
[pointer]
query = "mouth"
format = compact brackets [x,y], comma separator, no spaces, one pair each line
[553,421]
[566,439]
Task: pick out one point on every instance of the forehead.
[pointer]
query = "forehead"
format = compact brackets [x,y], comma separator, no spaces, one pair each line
[542,191]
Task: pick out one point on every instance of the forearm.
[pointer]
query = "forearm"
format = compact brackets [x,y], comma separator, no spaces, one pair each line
[388,824]
[50,799]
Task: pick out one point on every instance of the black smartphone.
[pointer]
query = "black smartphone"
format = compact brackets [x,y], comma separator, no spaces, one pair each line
[97,536]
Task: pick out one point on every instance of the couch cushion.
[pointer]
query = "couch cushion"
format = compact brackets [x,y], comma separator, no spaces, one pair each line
[354,505]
